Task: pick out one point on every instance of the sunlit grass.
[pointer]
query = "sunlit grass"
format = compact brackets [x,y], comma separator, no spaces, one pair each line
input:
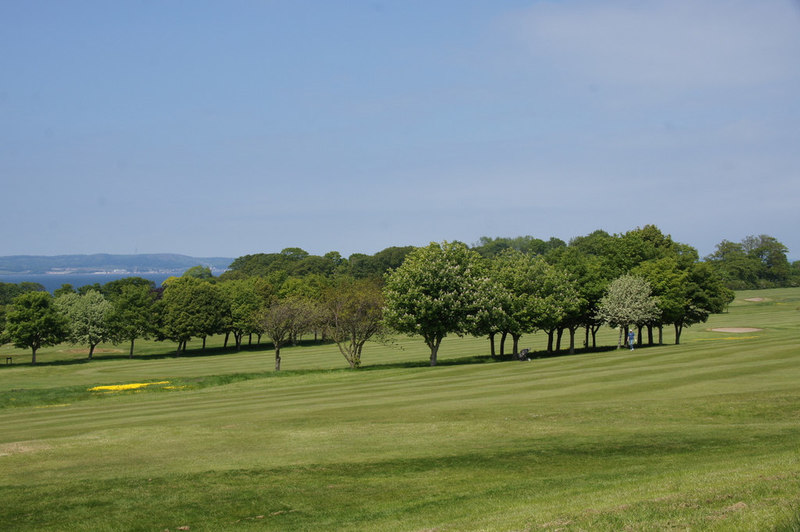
[701,436]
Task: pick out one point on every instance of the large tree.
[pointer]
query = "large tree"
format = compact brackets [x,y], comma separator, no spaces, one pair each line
[590,280]
[247,299]
[755,262]
[33,322]
[89,318]
[134,313]
[627,302]
[704,294]
[538,295]
[439,289]
[191,307]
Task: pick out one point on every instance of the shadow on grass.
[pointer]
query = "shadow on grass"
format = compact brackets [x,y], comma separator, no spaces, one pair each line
[268,347]
[33,397]
[197,352]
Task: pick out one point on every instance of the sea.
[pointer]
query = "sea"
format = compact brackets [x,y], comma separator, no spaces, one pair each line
[52,281]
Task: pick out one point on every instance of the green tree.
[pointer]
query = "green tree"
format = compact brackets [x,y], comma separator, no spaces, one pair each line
[113,289]
[668,283]
[757,262]
[199,272]
[279,323]
[705,294]
[353,315]
[134,313]
[191,307]
[33,322]
[8,291]
[736,268]
[771,256]
[558,303]
[439,289]
[491,247]
[520,275]
[247,300]
[89,318]
[590,280]
[85,289]
[65,288]
[627,302]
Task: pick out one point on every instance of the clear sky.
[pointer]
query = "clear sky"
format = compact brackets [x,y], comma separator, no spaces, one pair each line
[216,128]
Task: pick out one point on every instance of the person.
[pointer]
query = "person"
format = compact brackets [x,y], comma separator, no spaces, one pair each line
[631,338]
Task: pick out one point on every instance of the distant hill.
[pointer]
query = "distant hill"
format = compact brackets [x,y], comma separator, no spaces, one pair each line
[143,263]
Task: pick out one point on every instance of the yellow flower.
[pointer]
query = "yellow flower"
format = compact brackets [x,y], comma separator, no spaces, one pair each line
[123,387]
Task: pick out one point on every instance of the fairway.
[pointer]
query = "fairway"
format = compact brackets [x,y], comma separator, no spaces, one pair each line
[700,436]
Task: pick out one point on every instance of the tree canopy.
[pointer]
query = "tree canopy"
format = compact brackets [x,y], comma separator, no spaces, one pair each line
[34,322]
[439,289]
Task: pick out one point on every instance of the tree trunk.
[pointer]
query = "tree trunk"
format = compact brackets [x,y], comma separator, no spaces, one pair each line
[91,350]
[130,355]
[660,335]
[649,335]
[639,337]
[277,357]
[434,345]
[586,338]
[594,336]
[503,343]
[550,333]
[678,331]
[515,338]
[572,340]
[33,357]
[619,339]
[491,345]
[204,344]
[225,343]
[559,335]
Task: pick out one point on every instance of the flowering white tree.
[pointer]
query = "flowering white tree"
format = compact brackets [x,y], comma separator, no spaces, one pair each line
[628,302]
[89,318]
[439,289]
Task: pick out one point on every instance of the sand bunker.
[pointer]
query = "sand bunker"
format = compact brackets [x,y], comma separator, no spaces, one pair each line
[736,329]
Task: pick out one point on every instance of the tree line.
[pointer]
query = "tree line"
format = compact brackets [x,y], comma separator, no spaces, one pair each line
[499,288]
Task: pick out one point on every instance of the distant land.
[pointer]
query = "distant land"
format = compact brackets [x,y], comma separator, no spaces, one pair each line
[108,264]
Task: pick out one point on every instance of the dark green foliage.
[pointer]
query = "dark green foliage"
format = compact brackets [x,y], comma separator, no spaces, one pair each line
[113,289]
[361,266]
[65,289]
[191,307]
[134,313]
[199,272]
[755,262]
[8,291]
[490,247]
[295,262]
[33,322]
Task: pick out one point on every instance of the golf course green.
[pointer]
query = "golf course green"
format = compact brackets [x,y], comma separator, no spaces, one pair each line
[704,435]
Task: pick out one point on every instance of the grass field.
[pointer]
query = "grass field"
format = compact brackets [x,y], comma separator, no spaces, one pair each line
[700,436]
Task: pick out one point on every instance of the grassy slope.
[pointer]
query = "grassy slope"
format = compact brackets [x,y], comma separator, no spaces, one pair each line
[702,436]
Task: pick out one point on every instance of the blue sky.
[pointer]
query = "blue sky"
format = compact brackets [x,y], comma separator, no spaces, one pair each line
[228,128]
